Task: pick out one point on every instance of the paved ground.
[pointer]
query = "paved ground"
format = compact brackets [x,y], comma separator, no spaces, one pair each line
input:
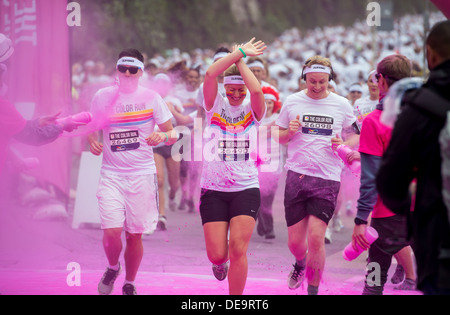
[35,258]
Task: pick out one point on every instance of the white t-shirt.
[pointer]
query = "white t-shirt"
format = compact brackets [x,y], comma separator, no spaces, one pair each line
[363,107]
[230,147]
[272,155]
[309,150]
[131,118]
[187,98]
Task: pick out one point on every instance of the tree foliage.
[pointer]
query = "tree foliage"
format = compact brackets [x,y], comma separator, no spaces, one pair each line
[154,26]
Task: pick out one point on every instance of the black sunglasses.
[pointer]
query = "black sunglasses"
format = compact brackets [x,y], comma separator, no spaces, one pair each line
[378,75]
[123,69]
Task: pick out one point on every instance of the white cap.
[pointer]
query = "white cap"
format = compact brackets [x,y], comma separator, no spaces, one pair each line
[6,48]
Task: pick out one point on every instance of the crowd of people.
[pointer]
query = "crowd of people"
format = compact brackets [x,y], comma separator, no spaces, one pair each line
[301,106]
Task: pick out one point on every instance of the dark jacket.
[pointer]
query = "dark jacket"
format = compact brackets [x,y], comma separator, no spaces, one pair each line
[414,152]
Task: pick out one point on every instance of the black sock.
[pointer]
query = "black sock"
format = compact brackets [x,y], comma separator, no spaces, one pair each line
[301,263]
[312,290]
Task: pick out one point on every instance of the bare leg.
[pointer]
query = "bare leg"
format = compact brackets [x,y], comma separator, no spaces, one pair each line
[241,229]
[216,241]
[133,255]
[112,244]
[315,261]
[160,168]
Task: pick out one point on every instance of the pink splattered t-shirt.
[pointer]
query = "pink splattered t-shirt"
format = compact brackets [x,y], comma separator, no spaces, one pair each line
[374,140]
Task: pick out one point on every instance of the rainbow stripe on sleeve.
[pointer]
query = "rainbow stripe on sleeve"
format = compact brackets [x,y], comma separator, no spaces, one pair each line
[132,119]
[236,129]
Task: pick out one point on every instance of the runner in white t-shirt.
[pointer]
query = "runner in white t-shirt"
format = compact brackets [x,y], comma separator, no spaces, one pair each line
[230,196]
[271,159]
[364,106]
[127,192]
[187,92]
[310,122]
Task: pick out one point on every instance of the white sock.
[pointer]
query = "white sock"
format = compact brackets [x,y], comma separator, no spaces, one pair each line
[128,282]
[116,267]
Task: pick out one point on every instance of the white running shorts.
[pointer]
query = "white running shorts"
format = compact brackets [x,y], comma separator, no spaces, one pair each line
[129,202]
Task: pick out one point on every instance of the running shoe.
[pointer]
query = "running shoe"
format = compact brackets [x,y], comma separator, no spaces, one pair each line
[328,236]
[162,223]
[129,289]
[172,204]
[106,285]
[220,271]
[337,224]
[399,274]
[408,285]
[296,277]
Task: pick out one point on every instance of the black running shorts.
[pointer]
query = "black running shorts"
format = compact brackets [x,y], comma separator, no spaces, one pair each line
[218,206]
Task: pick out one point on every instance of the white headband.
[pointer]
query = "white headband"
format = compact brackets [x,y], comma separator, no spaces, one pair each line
[356,88]
[268,96]
[317,68]
[233,79]
[130,61]
[220,55]
[256,64]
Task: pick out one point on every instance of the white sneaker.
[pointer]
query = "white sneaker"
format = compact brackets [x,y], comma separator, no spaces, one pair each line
[106,285]
[296,277]
[328,236]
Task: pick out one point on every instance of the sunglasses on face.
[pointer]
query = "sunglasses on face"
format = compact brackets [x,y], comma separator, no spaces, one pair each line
[378,75]
[132,70]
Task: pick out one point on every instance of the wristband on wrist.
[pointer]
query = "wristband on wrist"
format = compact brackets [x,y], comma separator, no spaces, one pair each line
[242,51]
[359,221]
[167,137]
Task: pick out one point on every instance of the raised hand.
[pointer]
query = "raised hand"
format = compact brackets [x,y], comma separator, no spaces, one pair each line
[253,49]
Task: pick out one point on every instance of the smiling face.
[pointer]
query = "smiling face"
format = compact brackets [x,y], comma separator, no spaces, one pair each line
[373,88]
[317,85]
[236,93]
[192,80]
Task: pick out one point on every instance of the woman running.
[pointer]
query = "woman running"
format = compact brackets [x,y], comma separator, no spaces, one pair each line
[230,196]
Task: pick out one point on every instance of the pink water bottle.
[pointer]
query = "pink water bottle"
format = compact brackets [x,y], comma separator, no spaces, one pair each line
[355,166]
[350,253]
[70,123]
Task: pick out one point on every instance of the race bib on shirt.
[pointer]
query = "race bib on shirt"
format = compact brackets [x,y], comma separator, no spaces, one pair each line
[124,141]
[319,125]
[237,150]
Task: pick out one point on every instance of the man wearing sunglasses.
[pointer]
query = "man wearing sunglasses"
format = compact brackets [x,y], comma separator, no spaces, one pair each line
[127,194]
[391,227]
[414,152]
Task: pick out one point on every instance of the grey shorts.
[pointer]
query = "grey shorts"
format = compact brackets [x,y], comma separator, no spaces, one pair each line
[307,195]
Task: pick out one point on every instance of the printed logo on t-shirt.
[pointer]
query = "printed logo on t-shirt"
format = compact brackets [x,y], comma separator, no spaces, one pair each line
[124,141]
[317,125]
[237,150]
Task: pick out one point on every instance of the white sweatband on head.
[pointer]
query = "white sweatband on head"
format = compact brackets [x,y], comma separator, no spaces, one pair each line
[219,55]
[130,61]
[317,69]
[356,88]
[256,64]
[162,77]
[270,97]
[233,79]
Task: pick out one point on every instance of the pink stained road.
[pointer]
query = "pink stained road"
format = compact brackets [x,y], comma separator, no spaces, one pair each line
[34,258]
